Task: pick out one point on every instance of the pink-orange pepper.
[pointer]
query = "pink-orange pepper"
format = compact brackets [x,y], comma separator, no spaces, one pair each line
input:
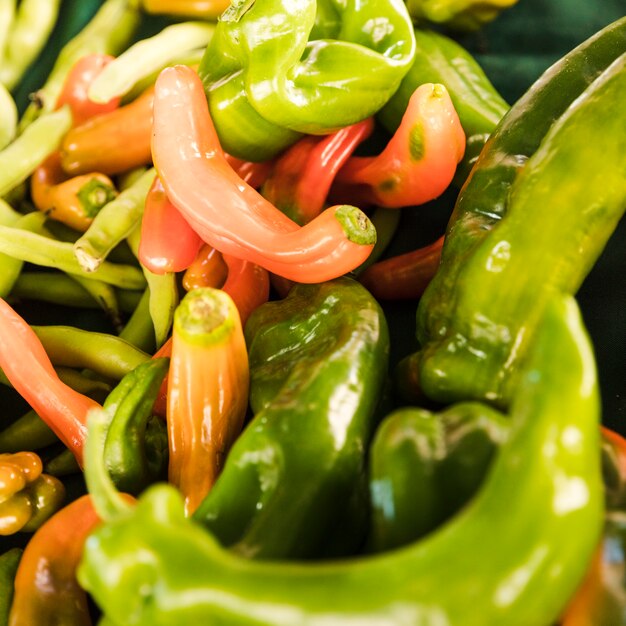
[418,163]
[229,214]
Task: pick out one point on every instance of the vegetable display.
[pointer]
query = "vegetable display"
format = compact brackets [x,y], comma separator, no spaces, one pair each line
[288,328]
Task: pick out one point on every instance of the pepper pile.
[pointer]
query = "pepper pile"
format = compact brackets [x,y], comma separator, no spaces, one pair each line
[222,195]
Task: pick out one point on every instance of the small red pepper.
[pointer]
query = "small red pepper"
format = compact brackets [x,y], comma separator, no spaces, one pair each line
[301,178]
[207,270]
[28,368]
[403,277]
[255,174]
[168,243]
[229,214]
[418,163]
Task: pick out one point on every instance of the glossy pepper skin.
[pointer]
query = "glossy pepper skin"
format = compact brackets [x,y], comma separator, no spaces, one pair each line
[318,360]
[425,466]
[461,14]
[269,78]
[27,496]
[502,238]
[471,572]
[135,451]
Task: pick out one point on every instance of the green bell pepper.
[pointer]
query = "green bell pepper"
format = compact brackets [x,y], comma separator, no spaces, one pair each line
[504,253]
[318,361]
[425,466]
[513,556]
[267,80]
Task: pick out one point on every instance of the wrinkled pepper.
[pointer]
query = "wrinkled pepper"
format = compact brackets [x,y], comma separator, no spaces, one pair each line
[272,72]
[417,164]
[135,450]
[424,467]
[492,564]
[46,589]
[601,599]
[229,214]
[8,567]
[207,393]
[27,497]
[501,238]
[318,360]
[461,14]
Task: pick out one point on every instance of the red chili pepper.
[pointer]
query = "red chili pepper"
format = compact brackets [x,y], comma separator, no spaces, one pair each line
[168,243]
[301,179]
[403,277]
[230,215]
[28,368]
[207,270]
[255,174]
[46,589]
[418,163]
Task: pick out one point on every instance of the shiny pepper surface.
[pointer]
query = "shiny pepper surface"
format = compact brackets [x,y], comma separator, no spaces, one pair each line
[275,69]
[27,497]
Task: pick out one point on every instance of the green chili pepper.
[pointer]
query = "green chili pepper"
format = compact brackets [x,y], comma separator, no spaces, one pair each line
[501,237]
[441,60]
[20,158]
[318,360]
[461,14]
[386,222]
[104,354]
[29,33]
[8,116]
[424,467]
[115,221]
[135,450]
[139,330]
[41,250]
[148,56]
[8,567]
[28,432]
[104,295]
[7,15]
[63,464]
[109,32]
[267,83]
[492,564]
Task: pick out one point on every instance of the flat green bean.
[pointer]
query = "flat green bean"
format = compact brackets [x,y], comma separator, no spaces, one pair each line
[27,37]
[109,32]
[115,221]
[21,157]
[163,294]
[8,116]
[139,329]
[106,355]
[41,250]
[28,432]
[147,56]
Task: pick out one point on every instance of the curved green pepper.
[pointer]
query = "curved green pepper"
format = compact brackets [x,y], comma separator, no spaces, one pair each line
[267,81]
[461,14]
[8,566]
[424,467]
[513,556]
[473,337]
[318,360]
[135,451]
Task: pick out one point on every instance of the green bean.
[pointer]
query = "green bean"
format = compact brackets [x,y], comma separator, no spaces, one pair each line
[104,295]
[7,15]
[147,56]
[163,294]
[20,158]
[10,267]
[109,32]
[41,250]
[29,33]
[63,464]
[28,432]
[139,329]
[113,224]
[106,355]
[8,116]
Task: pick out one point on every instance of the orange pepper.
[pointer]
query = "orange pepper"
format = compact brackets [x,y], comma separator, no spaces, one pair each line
[229,214]
[187,8]
[111,143]
[208,269]
[46,589]
[28,368]
[207,390]
[418,163]
[403,277]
